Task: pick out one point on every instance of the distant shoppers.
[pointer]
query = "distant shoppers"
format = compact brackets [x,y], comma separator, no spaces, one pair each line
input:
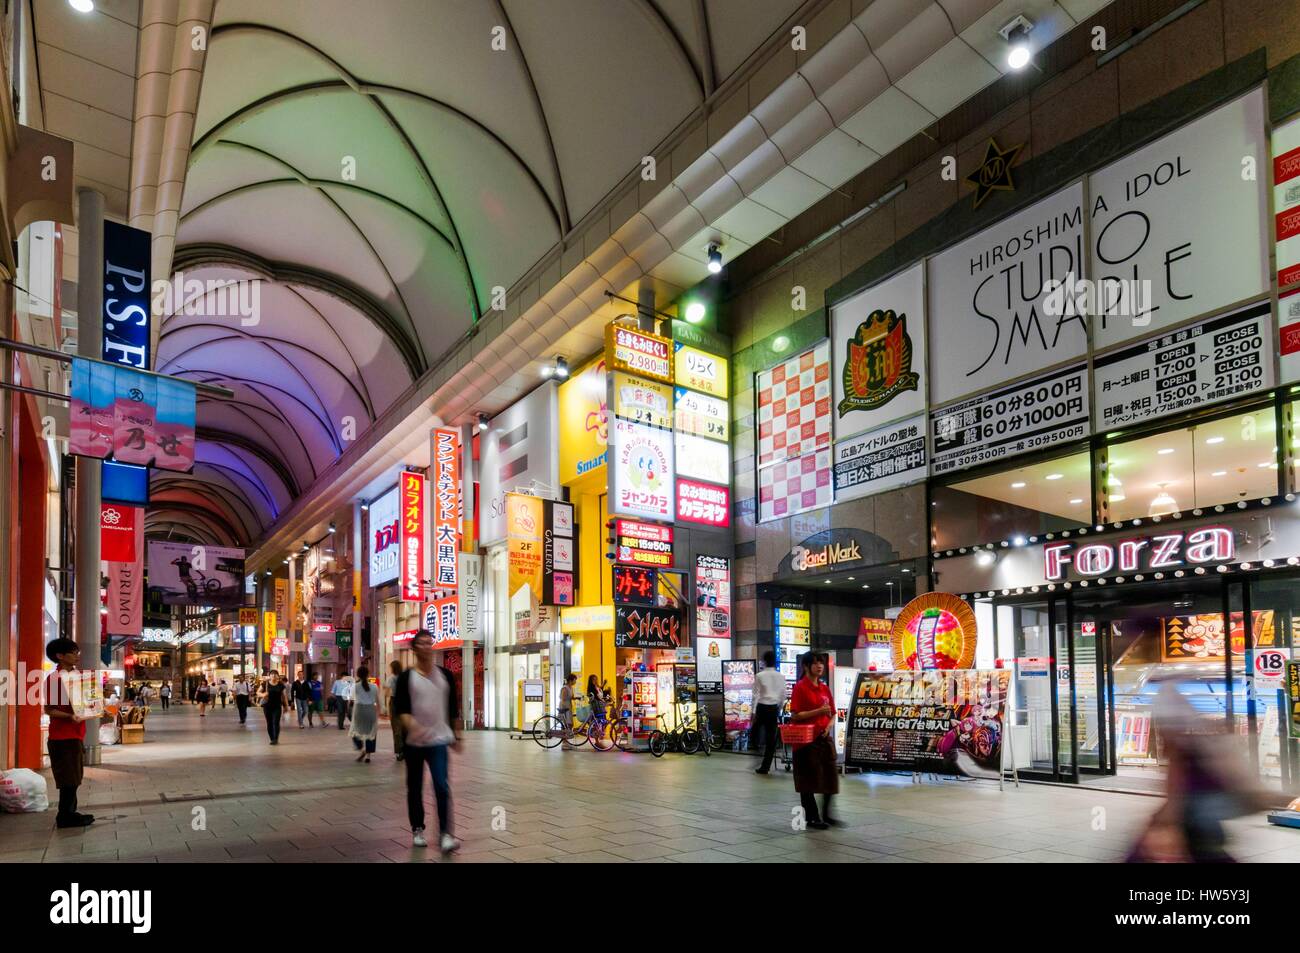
[814,762]
[203,696]
[769,693]
[597,696]
[428,706]
[390,697]
[223,689]
[165,695]
[565,711]
[341,691]
[317,698]
[273,703]
[365,714]
[241,697]
[301,693]
[146,692]
[67,733]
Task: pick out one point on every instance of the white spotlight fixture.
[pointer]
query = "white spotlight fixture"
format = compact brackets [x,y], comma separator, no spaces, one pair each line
[1016,33]
[333,528]
[365,507]
[561,371]
[695,312]
[82,6]
[715,258]
[482,424]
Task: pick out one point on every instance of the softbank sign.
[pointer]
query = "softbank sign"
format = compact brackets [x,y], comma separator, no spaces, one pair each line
[383,543]
[1143,554]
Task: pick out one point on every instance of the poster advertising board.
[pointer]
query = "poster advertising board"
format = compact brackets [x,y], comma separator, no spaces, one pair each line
[559,555]
[950,722]
[1180,217]
[518,452]
[1286,200]
[712,617]
[737,696]
[986,296]
[643,544]
[183,574]
[794,435]
[1018,419]
[878,349]
[710,655]
[1288,319]
[881,459]
[641,483]
[1220,359]
[525,523]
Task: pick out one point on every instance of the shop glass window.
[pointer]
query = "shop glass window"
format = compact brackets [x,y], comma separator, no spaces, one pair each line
[1220,461]
[1029,500]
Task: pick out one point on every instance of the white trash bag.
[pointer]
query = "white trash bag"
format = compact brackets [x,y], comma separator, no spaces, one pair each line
[110,734]
[22,791]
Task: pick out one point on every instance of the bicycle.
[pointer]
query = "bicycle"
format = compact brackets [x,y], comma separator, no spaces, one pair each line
[683,739]
[709,742]
[550,731]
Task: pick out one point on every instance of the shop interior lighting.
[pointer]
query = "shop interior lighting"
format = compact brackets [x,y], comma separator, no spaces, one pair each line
[82,6]
[1016,33]
[1165,450]
[1213,440]
[333,528]
[1018,485]
[1163,502]
[715,258]
[482,424]
[561,371]
[1054,476]
[695,312]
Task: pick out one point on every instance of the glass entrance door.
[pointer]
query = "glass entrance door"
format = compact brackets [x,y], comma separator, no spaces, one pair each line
[1042,717]
[1085,674]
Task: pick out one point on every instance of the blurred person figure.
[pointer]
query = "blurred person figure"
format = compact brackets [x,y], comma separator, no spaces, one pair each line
[428,706]
[165,695]
[769,693]
[202,696]
[301,693]
[365,714]
[241,697]
[317,698]
[341,696]
[274,701]
[390,696]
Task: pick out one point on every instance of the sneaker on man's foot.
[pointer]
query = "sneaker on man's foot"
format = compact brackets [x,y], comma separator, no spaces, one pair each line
[418,839]
[449,844]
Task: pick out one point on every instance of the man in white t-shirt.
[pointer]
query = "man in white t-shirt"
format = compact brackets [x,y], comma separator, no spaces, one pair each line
[428,707]
[241,697]
[769,695]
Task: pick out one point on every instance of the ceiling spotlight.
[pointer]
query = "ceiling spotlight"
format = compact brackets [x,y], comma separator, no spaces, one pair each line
[1055,476]
[561,371]
[333,528]
[1213,440]
[305,546]
[695,312]
[985,558]
[780,344]
[268,572]
[82,6]
[1018,485]
[286,560]
[1016,33]
[365,507]
[482,424]
[715,258]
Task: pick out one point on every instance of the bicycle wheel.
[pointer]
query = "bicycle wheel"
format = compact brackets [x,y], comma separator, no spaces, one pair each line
[548,731]
[690,740]
[621,732]
[658,743]
[601,738]
[577,736]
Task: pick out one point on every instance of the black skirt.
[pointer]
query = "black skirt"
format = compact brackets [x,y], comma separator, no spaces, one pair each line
[814,768]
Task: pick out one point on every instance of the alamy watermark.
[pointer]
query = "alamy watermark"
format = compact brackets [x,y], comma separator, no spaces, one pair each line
[214,297]
[1104,298]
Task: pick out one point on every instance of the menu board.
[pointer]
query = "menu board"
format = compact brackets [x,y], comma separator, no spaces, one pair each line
[881,459]
[1216,360]
[1018,419]
[950,721]
[737,696]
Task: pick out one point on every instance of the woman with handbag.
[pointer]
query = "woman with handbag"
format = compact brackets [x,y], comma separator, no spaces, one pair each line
[814,760]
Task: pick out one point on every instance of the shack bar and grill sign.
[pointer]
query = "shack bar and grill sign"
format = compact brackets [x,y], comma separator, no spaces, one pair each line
[644,627]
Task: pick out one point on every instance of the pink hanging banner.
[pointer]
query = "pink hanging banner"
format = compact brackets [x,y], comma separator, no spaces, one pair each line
[134,409]
[126,590]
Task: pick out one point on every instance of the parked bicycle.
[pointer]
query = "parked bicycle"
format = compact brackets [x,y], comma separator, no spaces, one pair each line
[680,738]
[709,742]
[550,731]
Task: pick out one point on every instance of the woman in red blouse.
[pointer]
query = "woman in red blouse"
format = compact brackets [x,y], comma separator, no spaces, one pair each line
[814,763]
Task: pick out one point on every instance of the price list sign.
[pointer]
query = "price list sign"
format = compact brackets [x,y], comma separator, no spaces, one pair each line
[1011,421]
[1216,360]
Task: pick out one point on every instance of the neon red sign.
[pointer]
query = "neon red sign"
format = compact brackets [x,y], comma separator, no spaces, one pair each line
[410,493]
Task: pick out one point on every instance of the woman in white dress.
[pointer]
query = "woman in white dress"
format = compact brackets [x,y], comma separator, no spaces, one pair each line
[365,714]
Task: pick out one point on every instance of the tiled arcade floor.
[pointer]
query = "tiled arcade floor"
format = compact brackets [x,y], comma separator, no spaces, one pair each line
[307,800]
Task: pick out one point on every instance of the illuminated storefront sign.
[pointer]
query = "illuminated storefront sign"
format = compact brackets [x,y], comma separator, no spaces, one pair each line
[1166,551]
[803,559]
[643,544]
[700,371]
[934,630]
[411,500]
[583,422]
[382,541]
[446,506]
[703,459]
[700,414]
[642,480]
[643,627]
[635,585]
[703,503]
[641,401]
[525,526]
[587,618]
[442,620]
[647,355]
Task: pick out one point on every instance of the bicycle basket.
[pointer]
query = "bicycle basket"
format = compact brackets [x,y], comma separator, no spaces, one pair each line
[797,733]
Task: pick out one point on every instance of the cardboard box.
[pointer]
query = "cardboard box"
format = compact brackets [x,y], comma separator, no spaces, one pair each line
[132,734]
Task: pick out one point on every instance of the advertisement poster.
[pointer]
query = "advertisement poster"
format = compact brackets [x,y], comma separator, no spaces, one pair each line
[518,451]
[950,722]
[559,555]
[712,618]
[1199,638]
[525,519]
[583,422]
[642,480]
[410,497]
[703,459]
[1293,696]
[843,680]
[700,414]
[710,655]
[1288,319]
[646,355]
[1286,200]
[881,459]
[1181,219]
[643,544]
[986,299]
[794,435]
[1217,360]
[796,486]
[1018,419]
[737,696]
[382,543]
[700,371]
[642,401]
[644,627]
[125,595]
[878,344]
[182,574]
[703,503]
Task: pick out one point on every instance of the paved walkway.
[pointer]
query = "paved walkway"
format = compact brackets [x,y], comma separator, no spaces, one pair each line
[207,790]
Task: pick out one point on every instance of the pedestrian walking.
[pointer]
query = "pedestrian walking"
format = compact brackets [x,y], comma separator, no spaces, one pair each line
[365,714]
[165,695]
[317,698]
[341,693]
[769,693]
[241,697]
[223,690]
[203,696]
[429,708]
[301,696]
[814,762]
[273,703]
[390,697]
[67,733]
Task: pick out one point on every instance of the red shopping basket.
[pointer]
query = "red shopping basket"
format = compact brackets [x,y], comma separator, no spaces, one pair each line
[797,733]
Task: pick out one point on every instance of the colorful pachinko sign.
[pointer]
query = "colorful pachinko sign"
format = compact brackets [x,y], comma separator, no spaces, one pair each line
[646,355]
[446,506]
[410,493]
[935,630]
[943,721]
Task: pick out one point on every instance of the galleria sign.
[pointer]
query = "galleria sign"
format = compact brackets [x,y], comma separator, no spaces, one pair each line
[1168,551]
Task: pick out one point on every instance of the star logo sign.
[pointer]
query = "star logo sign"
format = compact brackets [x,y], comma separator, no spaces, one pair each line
[995,172]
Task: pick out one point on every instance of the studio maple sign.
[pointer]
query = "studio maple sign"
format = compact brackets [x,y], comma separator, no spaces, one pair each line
[1151,553]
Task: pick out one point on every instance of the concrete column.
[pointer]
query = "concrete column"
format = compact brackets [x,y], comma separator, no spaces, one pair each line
[90,306]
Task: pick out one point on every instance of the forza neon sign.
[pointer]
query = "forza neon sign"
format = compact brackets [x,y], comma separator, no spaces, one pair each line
[1167,551]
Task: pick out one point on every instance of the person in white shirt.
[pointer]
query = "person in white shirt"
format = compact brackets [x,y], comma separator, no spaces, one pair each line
[342,692]
[241,697]
[429,708]
[769,694]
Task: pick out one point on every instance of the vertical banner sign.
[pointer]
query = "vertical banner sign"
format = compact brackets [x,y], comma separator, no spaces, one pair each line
[410,492]
[136,418]
[126,584]
[559,556]
[1293,697]
[525,518]
[1286,200]
[268,632]
[446,506]
[117,536]
[281,605]
[126,330]
[712,618]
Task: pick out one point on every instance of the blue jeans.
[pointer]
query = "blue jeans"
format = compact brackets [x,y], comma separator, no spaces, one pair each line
[435,756]
[303,708]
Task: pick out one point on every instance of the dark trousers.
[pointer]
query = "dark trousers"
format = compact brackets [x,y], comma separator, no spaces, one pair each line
[765,724]
[395,722]
[809,803]
[66,760]
[435,756]
[368,744]
[341,705]
[166,702]
[241,702]
[223,699]
[273,713]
